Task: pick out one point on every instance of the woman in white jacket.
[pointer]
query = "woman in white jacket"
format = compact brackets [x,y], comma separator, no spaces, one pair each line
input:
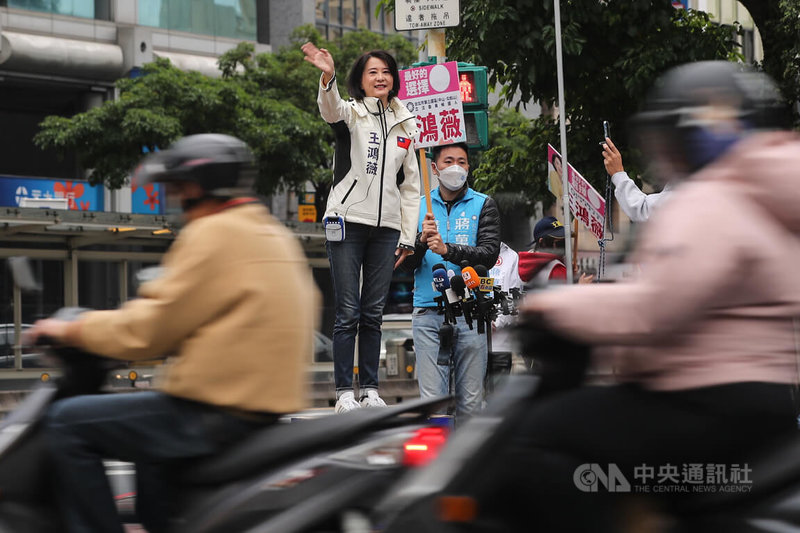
[372,210]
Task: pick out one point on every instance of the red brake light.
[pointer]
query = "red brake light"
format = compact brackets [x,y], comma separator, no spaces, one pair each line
[424,446]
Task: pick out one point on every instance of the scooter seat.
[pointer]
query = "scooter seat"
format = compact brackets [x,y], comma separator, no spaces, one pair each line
[283,442]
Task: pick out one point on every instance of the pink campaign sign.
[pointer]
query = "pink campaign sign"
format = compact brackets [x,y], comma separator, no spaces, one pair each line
[428,80]
[432,94]
[585,203]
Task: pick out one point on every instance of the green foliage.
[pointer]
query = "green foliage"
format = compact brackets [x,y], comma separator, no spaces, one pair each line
[782,48]
[267,100]
[613,52]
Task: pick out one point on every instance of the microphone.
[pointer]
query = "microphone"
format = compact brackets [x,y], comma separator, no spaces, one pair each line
[467,304]
[472,279]
[448,297]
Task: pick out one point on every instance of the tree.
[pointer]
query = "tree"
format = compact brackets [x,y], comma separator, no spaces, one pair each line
[778,22]
[613,52]
[267,100]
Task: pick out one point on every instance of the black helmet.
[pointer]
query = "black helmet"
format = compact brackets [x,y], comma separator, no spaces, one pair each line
[698,110]
[222,165]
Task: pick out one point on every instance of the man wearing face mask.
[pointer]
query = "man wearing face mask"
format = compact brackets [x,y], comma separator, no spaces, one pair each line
[545,261]
[464,226]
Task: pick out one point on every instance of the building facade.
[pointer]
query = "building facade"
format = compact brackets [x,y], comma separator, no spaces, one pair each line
[62,57]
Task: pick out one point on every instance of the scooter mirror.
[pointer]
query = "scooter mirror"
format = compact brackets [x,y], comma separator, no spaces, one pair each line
[22,273]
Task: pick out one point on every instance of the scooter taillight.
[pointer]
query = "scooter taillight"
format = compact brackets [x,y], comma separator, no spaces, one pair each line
[424,446]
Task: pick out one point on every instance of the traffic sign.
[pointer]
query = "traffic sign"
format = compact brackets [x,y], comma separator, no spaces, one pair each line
[426,14]
[306,213]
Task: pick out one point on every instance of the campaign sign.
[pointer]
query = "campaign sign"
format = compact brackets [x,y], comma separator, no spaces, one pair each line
[79,194]
[432,93]
[585,203]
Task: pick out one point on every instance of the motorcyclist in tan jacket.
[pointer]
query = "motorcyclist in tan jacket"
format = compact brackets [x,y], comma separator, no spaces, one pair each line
[235,308]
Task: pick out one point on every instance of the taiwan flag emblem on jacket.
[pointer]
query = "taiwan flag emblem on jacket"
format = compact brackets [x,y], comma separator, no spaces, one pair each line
[403,142]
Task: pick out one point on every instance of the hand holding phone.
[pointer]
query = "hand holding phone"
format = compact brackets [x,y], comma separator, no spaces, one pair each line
[612,159]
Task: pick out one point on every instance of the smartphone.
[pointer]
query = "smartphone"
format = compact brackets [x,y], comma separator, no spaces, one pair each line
[606,130]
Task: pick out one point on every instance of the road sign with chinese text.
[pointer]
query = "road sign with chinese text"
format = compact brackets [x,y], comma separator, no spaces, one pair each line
[585,203]
[431,92]
[426,14]
[306,213]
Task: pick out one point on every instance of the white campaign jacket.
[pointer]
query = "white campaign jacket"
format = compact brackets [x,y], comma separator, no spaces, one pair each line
[375,171]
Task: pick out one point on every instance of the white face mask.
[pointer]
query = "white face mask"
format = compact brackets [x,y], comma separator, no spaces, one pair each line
[453,177]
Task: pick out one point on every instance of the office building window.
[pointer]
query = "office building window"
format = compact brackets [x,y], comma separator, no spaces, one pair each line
[335,17]
[90,9]
[222,18]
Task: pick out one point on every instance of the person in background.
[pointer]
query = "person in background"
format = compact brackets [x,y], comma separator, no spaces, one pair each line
[464,226]
[637,205]
[372,210]
[544,262]
[236,306]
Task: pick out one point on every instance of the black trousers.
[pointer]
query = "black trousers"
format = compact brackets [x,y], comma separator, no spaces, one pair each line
[549,473]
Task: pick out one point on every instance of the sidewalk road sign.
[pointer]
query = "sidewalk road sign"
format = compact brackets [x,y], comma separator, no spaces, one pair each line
[426,14]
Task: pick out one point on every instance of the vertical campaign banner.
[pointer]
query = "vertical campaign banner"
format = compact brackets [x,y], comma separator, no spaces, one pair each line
[79,194]
[585,203]
[432,93]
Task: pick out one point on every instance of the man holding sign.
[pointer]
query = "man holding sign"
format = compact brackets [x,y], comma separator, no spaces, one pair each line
[464,225]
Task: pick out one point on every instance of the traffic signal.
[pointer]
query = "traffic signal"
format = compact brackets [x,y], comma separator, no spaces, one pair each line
[472,83]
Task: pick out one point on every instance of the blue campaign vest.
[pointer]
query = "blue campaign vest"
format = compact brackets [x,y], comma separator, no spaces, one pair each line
[459,227]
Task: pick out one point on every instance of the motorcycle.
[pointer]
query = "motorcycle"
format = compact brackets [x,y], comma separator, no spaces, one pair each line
[318,474]
[450,493]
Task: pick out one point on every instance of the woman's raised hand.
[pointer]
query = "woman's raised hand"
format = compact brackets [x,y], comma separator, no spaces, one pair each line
[320,58]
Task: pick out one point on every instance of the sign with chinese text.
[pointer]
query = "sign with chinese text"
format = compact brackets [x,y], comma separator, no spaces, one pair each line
[306,213]
[426,14]
[432,93]
[79,194]
[585,203]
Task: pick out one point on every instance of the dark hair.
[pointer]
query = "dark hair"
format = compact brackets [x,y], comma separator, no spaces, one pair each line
[438,149]
[555,156]
[354,79]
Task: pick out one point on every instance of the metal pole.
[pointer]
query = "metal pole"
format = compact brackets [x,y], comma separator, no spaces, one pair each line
[17,327]
[563,129]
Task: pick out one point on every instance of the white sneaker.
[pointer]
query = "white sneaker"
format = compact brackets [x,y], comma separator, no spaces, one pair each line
[346,402]
[371,399]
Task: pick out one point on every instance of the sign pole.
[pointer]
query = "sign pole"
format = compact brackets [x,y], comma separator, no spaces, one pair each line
[426,181]
[563,130]
[436,47]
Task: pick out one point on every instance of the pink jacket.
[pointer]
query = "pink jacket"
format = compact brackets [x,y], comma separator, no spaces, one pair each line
[718,298]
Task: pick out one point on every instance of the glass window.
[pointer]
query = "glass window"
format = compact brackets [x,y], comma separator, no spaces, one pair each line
[223,18]
[335,11]
[348,13]
[364,14]
[322,9]
[73,8]
[388,21]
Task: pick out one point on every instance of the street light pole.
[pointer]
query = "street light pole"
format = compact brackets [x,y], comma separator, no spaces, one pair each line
[563,130]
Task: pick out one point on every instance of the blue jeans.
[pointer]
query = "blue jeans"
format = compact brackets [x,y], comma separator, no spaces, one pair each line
[469,357]
[151,429]
[371,249]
